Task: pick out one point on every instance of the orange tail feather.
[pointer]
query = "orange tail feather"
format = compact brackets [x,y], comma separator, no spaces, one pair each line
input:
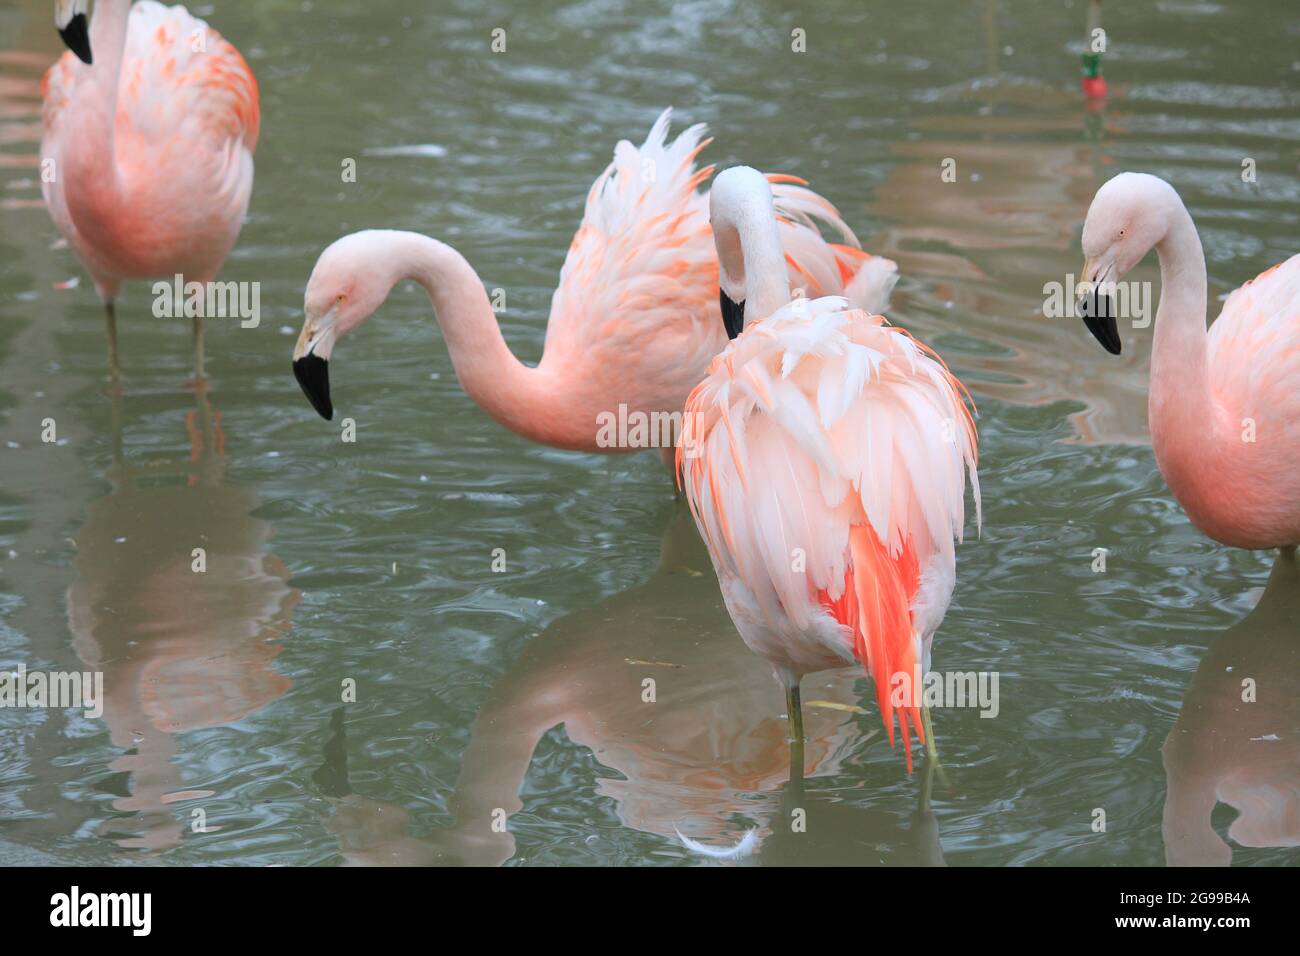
[876,606]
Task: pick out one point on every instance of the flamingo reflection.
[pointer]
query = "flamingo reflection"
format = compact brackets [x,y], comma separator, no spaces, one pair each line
[710,753]
[180,650]
[1237,738]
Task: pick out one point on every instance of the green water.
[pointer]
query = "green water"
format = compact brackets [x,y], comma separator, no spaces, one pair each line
[521,691]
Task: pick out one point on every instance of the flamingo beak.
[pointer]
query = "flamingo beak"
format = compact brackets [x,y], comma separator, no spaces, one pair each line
[74,29]
[313,375]
[311,367]
[1096,308]
[733,314]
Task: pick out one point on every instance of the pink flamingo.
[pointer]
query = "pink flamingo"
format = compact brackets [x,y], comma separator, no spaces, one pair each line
[1224,405]
[152,143]
[635,319]
[824,458]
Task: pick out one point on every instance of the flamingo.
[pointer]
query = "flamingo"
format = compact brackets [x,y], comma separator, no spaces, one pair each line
[150,121]
[824,459]
[179,650]
[1223,404]
[634,321]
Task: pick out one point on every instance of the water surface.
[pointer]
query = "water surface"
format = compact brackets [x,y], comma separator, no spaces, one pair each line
[522,691]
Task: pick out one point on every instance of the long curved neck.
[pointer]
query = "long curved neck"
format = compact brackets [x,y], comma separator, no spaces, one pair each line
[745,232]
[519,397]
[1181,409]
[91,165]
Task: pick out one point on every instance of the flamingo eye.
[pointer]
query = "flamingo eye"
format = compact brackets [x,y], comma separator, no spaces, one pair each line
[1121,233]
[341,298]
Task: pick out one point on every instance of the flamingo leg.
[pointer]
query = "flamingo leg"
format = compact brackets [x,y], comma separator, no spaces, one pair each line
[668,456]
[197,328]
[794,708]
[927,783]
[115,423]
[931,749]
[110,327]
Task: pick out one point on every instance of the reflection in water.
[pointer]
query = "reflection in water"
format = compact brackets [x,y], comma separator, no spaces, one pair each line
[370,832]
[710,748]
[834,832]
[20,124]
[1245,753]
[976,253]
[433,490]
[180,650]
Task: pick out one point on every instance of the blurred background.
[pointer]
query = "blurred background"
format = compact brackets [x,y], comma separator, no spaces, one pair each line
[521,691]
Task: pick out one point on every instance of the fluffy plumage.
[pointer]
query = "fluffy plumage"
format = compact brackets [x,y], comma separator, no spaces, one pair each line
[825,461]
[638,292]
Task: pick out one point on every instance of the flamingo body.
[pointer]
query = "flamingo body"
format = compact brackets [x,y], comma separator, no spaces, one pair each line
[152,145]
[825,463]
[1247,492]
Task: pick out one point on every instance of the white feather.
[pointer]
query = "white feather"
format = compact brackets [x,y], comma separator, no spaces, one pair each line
[748,843]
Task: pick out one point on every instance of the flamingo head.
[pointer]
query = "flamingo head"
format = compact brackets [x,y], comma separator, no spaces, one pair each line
[74,26]
[347,286]
[752,273]
[1128,217]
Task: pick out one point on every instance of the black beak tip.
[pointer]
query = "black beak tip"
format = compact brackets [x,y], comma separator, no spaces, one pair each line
[1098,314]
[313,375]
[76,37]
[733,314]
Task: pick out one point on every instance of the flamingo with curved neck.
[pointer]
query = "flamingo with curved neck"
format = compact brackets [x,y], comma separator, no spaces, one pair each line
[354,276]
[1224,404]
[634,321]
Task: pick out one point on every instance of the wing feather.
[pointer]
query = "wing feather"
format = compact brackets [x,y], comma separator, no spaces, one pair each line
[638,290]
[1260,323]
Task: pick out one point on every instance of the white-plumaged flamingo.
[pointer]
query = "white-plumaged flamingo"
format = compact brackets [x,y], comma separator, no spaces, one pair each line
[825,458]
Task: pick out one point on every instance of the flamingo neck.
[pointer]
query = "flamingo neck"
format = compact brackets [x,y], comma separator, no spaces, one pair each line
[767,284]
[750,252]
[91,167]
[1181,409]
[108,30]
[519,397]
